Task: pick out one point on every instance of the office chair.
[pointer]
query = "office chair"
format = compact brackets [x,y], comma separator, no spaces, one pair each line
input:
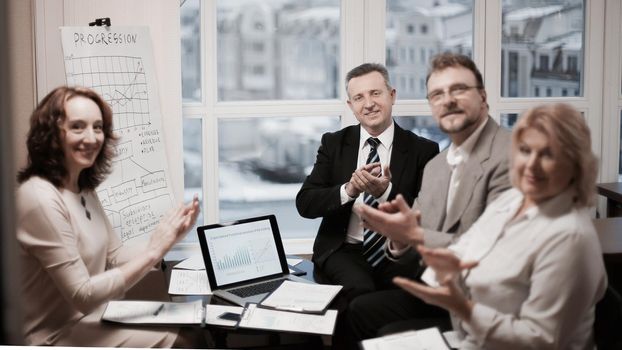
[608,321]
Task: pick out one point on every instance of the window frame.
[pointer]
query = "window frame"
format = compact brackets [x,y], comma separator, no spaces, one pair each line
[362,31]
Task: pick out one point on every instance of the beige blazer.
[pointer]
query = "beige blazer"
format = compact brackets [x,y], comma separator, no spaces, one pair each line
[485,176]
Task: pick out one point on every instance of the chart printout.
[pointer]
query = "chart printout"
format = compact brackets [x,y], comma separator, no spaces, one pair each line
[242,252]
[117,62]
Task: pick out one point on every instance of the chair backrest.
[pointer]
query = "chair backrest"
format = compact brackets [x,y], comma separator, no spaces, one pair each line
[608,321]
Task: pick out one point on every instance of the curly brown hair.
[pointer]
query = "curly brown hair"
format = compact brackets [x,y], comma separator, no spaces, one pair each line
[45,147]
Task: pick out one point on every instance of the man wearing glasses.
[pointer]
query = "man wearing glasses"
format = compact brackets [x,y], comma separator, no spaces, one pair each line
[457,185]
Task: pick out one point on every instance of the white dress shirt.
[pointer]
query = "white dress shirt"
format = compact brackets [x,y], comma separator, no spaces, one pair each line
[355,230]
[539,276]
[457,156]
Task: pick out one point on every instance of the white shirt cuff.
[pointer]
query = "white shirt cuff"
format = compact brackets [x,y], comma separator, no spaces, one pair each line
[385,195]
[394,253]
[344,195]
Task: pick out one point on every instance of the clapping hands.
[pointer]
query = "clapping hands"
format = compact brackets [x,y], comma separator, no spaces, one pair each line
[448,294]
[371,178]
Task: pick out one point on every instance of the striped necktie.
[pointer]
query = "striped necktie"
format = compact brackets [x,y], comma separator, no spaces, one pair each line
[373,243]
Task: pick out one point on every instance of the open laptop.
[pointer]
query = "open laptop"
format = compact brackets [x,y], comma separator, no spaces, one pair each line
[244,259]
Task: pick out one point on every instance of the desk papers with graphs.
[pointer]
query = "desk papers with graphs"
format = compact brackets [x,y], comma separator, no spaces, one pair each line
[154,312]
[260,318]
[189,282]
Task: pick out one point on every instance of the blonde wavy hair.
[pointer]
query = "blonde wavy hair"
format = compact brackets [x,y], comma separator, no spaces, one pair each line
[565,126]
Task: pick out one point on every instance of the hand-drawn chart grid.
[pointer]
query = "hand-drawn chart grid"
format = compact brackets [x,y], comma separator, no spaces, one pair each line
[136,194]
[121,82]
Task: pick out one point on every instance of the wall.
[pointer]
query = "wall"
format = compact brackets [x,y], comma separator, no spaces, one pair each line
[21,73]
[16,102]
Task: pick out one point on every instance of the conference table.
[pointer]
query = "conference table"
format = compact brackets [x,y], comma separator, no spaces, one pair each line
[613,192]
[610,235]
[226,337]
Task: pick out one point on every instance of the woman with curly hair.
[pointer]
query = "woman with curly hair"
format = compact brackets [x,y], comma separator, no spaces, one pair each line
[72,261]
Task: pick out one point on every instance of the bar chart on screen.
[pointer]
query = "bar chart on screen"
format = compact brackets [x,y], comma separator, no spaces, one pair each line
[243,250]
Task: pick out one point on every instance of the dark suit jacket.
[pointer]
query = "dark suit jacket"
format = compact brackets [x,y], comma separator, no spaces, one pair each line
[335,162]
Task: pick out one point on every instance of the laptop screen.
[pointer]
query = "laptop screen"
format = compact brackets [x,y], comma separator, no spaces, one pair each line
[241,251]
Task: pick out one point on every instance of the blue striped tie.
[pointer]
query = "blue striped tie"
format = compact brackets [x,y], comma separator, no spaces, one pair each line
[373,243]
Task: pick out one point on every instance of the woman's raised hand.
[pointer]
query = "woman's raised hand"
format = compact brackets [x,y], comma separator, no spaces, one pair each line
[174,226]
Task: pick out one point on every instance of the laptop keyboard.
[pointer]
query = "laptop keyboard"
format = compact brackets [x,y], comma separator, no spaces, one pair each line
[259,288]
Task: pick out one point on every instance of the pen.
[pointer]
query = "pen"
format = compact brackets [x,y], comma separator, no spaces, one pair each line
[155,313]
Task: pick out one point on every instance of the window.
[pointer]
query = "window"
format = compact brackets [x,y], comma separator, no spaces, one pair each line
[544,63]
[262,164]
[508,120]
[191,51]
[258,47]
[546,31]
[267,52]
[193,166]
[291,51]
[450,29]
[572,65]
[536,50]
[513,74]
[424,126]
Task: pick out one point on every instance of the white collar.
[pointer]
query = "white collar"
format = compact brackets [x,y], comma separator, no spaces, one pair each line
[386,137]
[460,154]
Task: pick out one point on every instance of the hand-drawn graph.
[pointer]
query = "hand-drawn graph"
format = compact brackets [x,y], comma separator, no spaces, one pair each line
[137,192]
[121,82]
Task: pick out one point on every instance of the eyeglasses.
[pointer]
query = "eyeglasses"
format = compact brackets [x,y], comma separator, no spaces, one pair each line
[456,91]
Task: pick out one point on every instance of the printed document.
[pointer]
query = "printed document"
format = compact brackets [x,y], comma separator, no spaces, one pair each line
[301,297]
[195,262]
[425,339]
[189,282]
[259,318]
[153,312]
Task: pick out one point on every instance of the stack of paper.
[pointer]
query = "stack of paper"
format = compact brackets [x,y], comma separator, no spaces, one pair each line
[425,339]
[260,318]
[301,297]
[189,278]
[155,312]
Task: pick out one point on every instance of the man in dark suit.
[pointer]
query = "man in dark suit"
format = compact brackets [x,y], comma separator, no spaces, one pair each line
[343,175]
[457,185]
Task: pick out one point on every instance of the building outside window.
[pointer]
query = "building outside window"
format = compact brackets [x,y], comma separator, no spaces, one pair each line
[539,36]
[276,60]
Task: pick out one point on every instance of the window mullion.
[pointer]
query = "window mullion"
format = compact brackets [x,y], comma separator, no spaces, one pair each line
[610,144]
[210,121]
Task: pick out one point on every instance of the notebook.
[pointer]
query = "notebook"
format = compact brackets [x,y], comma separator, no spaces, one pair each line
[244,259]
